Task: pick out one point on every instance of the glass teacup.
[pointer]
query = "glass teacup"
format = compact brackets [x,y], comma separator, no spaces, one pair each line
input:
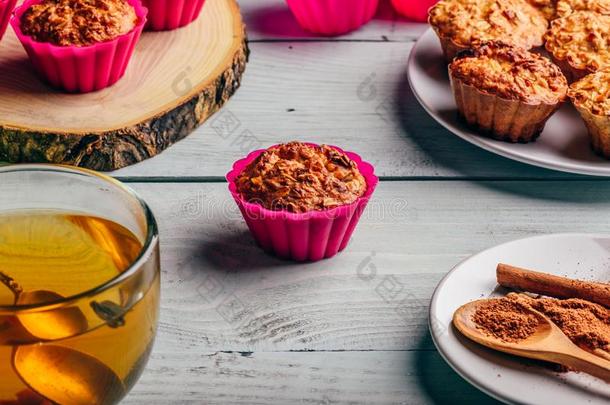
[79,286]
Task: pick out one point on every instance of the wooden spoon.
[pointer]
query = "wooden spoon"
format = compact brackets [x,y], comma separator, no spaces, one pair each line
[547,343]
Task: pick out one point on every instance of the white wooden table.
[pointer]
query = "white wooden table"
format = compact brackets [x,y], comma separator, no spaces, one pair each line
[239,326]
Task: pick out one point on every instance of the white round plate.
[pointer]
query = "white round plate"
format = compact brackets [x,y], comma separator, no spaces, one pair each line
[507,378]
[564,144]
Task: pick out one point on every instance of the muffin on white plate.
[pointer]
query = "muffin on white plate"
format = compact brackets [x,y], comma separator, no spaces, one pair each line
[553,9]
[506,92]
[567,7]
[461,24]
[591,97]
[580,43]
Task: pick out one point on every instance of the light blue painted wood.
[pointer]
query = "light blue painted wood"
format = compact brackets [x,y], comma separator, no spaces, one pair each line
[329,332]
[333,313]
[352,94]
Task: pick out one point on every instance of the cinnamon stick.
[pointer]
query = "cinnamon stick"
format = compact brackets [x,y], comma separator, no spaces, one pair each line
[553,286]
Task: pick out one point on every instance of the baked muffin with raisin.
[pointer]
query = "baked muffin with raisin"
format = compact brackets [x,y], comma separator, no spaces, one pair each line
[567,7]
[302,201]
[591,97]
[553,9]
[506,92]
[298,177]
[78,22]
[79,46]
[580,43]
[460,24]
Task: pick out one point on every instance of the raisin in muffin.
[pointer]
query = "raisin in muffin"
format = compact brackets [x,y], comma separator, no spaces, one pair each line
[591,97]
[580,43]
[298,177]
[78,22]
[548,7]
[505,91]
[460,24]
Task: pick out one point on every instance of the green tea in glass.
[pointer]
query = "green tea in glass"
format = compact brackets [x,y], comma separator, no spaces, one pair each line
[79,286]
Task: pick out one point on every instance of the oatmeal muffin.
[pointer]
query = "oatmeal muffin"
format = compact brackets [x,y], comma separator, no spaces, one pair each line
[78,22]
[591,97]
[567,7]
[460,24]
[580,43]
[553,9]
[302,201]
[505,91]
[79,46]
[298,177]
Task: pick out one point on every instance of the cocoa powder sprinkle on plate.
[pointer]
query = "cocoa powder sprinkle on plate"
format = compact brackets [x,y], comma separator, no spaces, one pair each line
[585,323]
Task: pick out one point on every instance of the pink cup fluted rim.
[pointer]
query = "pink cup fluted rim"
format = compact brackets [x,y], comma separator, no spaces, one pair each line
[366,169]
[141,13]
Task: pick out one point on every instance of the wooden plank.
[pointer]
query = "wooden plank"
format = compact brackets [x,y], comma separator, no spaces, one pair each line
[221,293]
[355,95]
[348,330]
[272,20]
[411,378]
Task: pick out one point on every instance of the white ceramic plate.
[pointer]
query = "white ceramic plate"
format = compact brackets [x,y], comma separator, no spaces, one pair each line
[563,146]
[504,377]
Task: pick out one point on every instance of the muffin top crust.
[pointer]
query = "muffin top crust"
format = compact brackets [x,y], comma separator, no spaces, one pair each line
[592,92]
[511,73]
[582,39]
[553,9]
[470,21]
[567,7]
[78,22]
[298,178]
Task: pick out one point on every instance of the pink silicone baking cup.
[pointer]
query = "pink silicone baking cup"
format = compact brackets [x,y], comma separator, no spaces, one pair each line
[416,10]
[309,236]
[164,15]
[6,10]
[81,69]
[332,17]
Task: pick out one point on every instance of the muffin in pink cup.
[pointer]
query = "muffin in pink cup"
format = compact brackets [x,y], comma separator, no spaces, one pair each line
[165,15]
[80,46]
[6,9]
[416,10]
[302,201]
[332,17]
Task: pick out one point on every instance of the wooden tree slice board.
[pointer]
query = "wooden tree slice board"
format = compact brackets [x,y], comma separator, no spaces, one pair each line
[175,81]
